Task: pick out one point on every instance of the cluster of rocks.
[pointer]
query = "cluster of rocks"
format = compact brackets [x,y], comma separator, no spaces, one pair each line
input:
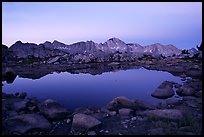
[178,67]
[121,116]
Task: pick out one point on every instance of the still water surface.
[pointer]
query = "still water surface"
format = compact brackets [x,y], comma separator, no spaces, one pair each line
[83,90]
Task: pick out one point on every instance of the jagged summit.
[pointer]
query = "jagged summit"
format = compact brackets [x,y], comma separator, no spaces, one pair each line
[115,40]
[18,42]
[110,46]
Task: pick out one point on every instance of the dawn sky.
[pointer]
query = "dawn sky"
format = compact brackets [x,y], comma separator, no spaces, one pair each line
[177,23]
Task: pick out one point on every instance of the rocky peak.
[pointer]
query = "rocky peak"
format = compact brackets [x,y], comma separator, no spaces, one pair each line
[165,50]
[134,47]
[113,45]
[18,42]
[192,51]
[115,41]
[4,47]
[57,43]
[47,42]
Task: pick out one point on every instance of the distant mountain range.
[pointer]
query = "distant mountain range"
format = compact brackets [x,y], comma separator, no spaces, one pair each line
[113,49]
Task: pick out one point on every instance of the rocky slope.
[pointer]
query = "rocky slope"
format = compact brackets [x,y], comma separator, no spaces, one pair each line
[112,50]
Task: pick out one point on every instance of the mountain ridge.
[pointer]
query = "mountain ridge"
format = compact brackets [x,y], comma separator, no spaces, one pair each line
[111,50]
[112,44]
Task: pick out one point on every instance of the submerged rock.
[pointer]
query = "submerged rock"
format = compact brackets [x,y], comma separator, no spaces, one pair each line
[165,90]
[25,122]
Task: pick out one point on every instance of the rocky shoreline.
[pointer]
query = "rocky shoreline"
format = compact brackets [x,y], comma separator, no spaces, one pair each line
[178,67]
[22,115]
[121,116]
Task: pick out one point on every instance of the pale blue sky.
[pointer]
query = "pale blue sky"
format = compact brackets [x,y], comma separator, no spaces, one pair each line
[145,23]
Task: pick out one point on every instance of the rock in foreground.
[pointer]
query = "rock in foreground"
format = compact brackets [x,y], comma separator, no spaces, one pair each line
[25,122]
[173,114]
[53,110]
[84,122]
[165,90]
[121,102]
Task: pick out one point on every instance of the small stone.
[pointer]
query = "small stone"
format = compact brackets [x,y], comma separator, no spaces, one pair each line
[198,94]
[183,76]
[183,79]
[140,119]
[33,108]
[101,130]
[133,118]
[125,126]
[23,95]
[16,94]
[91,133]
[177,85]
[112,113]
[68,120]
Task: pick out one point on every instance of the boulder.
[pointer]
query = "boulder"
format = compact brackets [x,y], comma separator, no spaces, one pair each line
[195,73]
[10,75]
[13,103]
[51,109]
[165,90]
[121,102]
[83,110]
[83,122]
[198,94]
[91,133]
[23,95]
[177,85]
[125,111]
[22,123]
[142,105]
[185,91]
[16,94]
[18,106]
[173,101]
[53,60]
[173,114]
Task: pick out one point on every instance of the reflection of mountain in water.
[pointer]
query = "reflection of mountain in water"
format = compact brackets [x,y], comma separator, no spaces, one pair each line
[38,71]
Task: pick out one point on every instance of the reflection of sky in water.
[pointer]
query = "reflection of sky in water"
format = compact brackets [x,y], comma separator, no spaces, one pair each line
[81,90]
